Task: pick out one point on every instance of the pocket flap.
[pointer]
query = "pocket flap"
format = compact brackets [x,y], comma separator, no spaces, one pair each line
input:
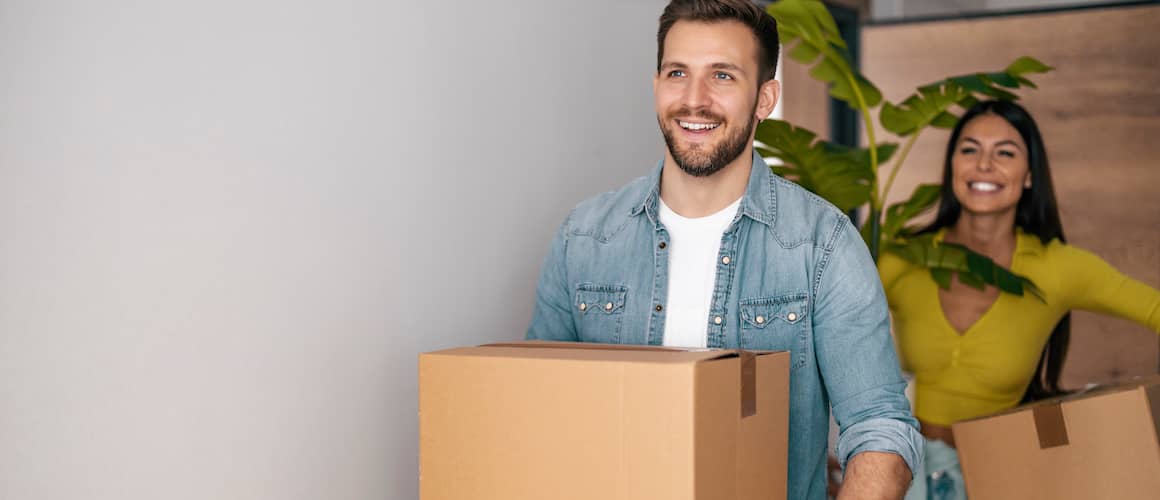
[763,311]
[600,298]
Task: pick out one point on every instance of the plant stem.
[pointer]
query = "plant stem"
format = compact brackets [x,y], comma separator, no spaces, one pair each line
[875,214]
[898,163]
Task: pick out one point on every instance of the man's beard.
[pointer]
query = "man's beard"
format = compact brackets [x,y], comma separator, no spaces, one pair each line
[698,162]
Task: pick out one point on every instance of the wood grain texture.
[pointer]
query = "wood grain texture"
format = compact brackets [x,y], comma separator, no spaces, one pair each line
[1099,113]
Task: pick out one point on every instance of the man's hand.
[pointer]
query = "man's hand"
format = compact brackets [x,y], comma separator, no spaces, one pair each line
[875,475]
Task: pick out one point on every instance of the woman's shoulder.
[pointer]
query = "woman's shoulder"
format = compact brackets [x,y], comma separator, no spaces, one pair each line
[1055,251]
[891,267]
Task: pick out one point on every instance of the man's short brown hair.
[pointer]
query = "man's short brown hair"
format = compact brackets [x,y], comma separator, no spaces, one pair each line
[763,26]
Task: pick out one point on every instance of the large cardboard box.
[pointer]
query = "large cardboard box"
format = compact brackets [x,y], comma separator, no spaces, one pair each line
[559,421]
[1102,444]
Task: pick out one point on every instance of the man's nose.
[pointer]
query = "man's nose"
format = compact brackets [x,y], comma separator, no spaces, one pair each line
[696,94]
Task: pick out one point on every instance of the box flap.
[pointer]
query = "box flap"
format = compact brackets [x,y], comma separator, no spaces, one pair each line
[1147,382]
[748,384]
[584,351]
[594,351]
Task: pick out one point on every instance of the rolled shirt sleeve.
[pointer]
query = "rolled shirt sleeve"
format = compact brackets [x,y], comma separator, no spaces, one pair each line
[856,356]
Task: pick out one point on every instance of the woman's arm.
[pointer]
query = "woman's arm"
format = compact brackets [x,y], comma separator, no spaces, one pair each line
[1092,284]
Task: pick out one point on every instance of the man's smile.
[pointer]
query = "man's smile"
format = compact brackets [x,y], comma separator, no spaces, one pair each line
[698,126]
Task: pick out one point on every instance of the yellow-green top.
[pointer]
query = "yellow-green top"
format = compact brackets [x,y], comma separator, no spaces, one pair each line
[986,369]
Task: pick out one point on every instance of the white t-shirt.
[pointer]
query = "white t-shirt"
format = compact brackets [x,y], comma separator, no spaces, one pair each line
[692,247]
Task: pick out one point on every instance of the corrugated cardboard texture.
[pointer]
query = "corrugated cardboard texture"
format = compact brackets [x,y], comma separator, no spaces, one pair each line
[1110,451]
[517,423]
[736,456]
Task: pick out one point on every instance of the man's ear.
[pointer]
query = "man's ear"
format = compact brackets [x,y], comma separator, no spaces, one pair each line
[767,97]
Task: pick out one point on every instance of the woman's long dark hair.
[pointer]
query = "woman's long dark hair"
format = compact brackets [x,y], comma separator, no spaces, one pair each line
[1037,213]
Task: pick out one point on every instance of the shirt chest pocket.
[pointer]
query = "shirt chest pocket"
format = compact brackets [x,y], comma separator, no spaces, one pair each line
[777,323]
[599,309]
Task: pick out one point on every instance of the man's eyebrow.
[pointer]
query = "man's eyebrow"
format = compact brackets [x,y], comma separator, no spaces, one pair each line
[718,65]
[729,66]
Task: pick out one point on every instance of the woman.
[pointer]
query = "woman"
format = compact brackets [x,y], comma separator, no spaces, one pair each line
[976,352]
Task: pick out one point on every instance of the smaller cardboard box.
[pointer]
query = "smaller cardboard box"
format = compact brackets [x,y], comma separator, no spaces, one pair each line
[1095,445]
[567,421]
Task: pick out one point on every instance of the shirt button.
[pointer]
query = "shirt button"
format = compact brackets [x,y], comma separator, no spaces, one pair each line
[791,316]
[583,306]
[725,260]
[760,319]
[608,306]
[717,320]
[661,245]
[659,307]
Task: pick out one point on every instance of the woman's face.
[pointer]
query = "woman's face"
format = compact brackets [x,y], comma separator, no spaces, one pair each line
[989,166]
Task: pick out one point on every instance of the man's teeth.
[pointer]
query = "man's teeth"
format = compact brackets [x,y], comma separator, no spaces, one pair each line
[984,186]
[698,126]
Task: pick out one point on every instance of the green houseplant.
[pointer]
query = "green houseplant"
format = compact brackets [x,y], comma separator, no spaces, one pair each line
[850,177]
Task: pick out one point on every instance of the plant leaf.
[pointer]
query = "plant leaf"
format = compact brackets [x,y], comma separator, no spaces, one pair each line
[973,269]
[839,174]
[931,103]
[972,280]
[807,23]
[1026,64]
[942,277]
[898,214]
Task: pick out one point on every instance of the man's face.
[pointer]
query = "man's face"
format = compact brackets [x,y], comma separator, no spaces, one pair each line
[706,92]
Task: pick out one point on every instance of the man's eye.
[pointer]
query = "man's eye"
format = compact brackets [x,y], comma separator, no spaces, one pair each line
[722,76]
[676,73]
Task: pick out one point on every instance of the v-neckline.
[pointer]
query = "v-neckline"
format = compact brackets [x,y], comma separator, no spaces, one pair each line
[947,322]
[938,296]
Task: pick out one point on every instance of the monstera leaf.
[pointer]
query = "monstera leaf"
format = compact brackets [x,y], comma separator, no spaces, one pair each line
[849,177]
[819,44]
[947,259]
[900,214]
[839,174]
[930,105]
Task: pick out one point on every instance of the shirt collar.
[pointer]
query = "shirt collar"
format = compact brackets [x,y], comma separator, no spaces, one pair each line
[759,202]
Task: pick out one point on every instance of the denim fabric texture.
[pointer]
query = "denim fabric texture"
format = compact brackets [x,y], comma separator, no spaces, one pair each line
[793,274]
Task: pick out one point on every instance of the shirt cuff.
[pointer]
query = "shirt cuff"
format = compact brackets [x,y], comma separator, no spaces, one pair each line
[884,435]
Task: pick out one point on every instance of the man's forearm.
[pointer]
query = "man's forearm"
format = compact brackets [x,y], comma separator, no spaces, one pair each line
[875,476]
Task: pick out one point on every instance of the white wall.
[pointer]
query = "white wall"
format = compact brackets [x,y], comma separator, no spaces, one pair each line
[227,228]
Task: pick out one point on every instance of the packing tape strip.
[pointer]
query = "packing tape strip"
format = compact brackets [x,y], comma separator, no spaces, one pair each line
[1049,425]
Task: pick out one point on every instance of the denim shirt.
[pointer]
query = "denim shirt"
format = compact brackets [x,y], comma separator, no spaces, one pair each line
[792,274]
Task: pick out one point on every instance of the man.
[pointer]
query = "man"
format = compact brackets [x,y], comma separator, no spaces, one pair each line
[713,250]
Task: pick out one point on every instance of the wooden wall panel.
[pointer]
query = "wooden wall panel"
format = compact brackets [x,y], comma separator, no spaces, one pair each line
[1099,112]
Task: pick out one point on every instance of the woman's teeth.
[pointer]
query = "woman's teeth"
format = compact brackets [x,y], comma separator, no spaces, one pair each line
[697,126]
[986,187]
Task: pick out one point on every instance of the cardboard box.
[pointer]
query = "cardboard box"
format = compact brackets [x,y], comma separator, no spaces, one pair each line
[1102,444]
[558,421]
